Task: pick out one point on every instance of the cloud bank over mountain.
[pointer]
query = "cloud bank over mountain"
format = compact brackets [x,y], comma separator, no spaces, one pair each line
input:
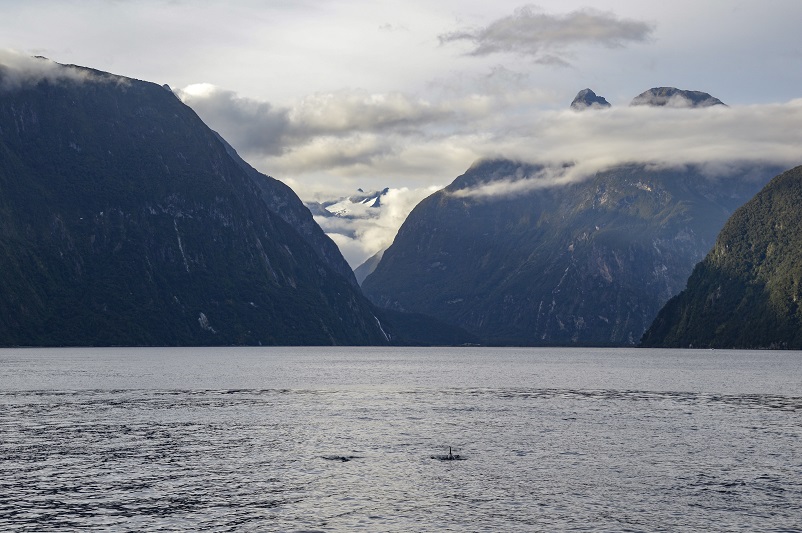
[325,142]
[17,69]
[332,96]
[326,137]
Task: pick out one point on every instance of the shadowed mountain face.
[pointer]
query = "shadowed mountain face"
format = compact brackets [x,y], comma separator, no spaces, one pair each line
[365,269]
[589,263]
[124,221]
[746,292]
[283,201]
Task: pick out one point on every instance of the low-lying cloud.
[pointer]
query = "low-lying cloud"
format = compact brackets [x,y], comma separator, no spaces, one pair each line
[719,140]
[315,122]
[19,70]
[368,230]
[327,145]
[345,140]
[546,38]
[338,141]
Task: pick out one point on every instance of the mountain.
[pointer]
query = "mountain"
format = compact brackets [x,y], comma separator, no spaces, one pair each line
[746,292]
[364,224]
[586,263]
[587,99]
[673,97]
[415,329]
[124,220]
[657,96]
[283,201]
[354,206]
[365,269]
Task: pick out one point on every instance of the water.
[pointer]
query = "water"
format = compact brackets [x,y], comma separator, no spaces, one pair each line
[322,439]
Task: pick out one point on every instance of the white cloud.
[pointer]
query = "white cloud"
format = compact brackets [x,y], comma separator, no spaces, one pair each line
[349,111]
[345,137]
[323,143]
[17,69]
[718,139]
[368,229]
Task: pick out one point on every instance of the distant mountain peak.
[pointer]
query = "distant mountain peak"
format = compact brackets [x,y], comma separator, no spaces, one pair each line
[673,97]
[587,99]
[348,207]
[372,198]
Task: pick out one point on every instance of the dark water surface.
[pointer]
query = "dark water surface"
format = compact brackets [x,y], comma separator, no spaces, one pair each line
[343,439]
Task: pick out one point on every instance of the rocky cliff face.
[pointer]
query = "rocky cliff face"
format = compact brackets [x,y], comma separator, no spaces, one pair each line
[746,292]
[124,221]
[589,263]
[587,99]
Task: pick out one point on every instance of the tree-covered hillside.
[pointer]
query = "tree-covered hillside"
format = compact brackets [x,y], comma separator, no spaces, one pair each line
[747,291]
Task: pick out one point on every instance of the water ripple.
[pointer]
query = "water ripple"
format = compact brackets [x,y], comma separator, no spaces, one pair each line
[350,460]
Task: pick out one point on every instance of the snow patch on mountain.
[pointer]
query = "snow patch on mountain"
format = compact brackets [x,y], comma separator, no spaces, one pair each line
[366,222]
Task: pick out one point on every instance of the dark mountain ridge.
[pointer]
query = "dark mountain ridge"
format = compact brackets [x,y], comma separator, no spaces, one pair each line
[124,221]
[588,263]
[283,201]
[368,266]
[654,97]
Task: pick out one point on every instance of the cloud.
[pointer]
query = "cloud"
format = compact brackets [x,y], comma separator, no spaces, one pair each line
[368,230]
[388,27]
[329,143]
[349,111]
[718,139]
[551,175]
[546,38]
[314,123]
[18,70]
[354,154]
[249,125]
[354,134]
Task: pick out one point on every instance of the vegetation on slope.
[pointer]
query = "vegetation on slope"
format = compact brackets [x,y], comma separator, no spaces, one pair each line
[746,292]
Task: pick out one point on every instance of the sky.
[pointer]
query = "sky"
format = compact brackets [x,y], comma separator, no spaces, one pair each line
[331,96]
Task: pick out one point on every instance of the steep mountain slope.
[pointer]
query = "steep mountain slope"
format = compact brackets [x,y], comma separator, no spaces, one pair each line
[123,220]
[746,292]
[365,269]
[587,263]
[283,201]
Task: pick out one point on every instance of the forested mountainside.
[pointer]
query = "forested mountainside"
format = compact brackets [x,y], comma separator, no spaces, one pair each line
[746,292]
